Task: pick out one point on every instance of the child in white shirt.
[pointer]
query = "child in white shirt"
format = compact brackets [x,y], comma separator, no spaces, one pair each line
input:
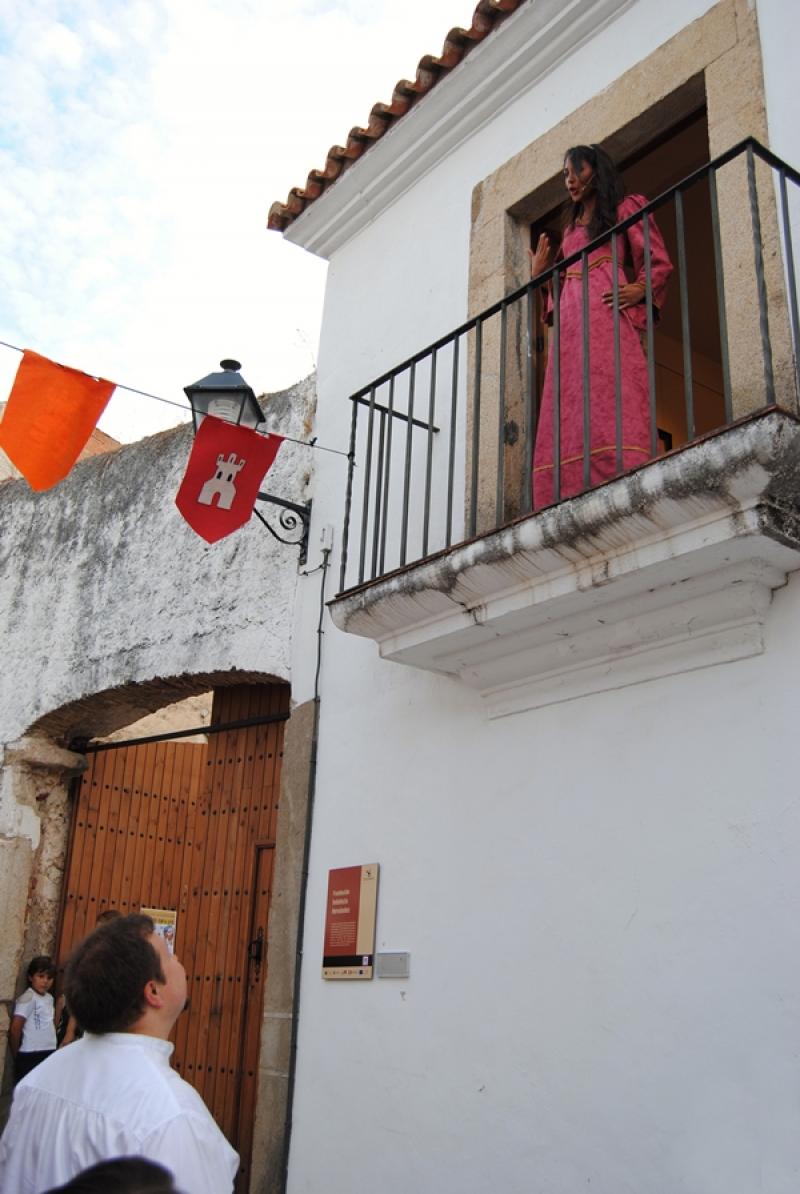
[32,1034]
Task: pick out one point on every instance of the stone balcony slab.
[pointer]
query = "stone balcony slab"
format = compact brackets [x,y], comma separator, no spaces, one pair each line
[666,569]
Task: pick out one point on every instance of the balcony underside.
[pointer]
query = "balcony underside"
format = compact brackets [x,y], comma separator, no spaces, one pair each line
[666,569]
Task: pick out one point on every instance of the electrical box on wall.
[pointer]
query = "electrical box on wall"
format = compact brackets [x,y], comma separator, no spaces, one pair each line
[392,965]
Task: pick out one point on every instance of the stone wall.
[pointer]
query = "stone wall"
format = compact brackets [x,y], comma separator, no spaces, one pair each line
[103,584]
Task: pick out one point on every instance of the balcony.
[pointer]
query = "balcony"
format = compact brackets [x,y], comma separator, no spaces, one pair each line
[663,567]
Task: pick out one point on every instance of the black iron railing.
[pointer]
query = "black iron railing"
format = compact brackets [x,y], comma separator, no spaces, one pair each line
[442,445]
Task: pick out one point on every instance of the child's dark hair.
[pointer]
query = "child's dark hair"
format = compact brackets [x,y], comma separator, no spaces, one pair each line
[107,973]
[608,186]
[41,964]
[108,914]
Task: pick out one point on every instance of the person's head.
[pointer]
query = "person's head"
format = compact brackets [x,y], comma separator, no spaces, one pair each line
[123,1175]
[122,978]
[41,973]
[589,171]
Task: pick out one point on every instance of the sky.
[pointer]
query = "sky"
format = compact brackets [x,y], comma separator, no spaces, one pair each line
[142,143]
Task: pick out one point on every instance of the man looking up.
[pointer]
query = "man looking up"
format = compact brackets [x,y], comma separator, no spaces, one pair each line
[113,1093]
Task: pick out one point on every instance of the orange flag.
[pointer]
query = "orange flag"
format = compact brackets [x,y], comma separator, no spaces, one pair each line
[51,412]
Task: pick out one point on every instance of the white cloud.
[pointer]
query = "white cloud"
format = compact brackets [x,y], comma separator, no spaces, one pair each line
[141,147]
[57,46]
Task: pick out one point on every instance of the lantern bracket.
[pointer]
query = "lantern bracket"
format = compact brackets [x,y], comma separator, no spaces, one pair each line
[294,519]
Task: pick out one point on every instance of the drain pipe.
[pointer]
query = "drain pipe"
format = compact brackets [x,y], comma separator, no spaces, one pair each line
[301,910]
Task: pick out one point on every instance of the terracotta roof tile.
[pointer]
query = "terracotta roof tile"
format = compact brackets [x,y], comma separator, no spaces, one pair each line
[486,17]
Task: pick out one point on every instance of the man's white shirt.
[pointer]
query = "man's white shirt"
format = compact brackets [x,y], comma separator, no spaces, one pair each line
[111,1096]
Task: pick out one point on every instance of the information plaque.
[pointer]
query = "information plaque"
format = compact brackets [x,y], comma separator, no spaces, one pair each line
[349,949]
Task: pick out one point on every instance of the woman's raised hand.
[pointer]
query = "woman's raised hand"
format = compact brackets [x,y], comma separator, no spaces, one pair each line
[543,258]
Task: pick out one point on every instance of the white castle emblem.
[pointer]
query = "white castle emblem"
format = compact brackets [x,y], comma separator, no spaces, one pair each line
[222,485]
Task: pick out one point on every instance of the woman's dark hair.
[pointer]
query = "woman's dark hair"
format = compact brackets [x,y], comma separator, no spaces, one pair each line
[123,1175]
[41,964]
[106,974]
[609,189]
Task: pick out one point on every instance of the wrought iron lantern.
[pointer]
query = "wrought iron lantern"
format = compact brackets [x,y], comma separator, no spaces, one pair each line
[227,396]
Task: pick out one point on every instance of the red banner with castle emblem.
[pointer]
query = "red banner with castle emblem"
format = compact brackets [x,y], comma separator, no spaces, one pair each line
[223,477]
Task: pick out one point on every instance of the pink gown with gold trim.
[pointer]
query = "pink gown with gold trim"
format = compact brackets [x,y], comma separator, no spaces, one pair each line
[633,364]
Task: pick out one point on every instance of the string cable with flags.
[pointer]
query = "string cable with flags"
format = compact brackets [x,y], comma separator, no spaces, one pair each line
[303,443]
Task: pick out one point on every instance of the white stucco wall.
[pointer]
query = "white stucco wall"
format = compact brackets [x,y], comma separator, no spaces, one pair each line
[599,897]
[600,900]
[777,24]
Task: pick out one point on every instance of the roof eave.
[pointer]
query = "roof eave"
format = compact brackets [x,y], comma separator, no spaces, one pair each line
[522,50]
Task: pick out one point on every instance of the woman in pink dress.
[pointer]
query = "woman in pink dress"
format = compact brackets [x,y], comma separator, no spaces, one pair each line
[596,203]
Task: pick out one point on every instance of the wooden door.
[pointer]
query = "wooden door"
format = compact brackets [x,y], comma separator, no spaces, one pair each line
[192,828]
